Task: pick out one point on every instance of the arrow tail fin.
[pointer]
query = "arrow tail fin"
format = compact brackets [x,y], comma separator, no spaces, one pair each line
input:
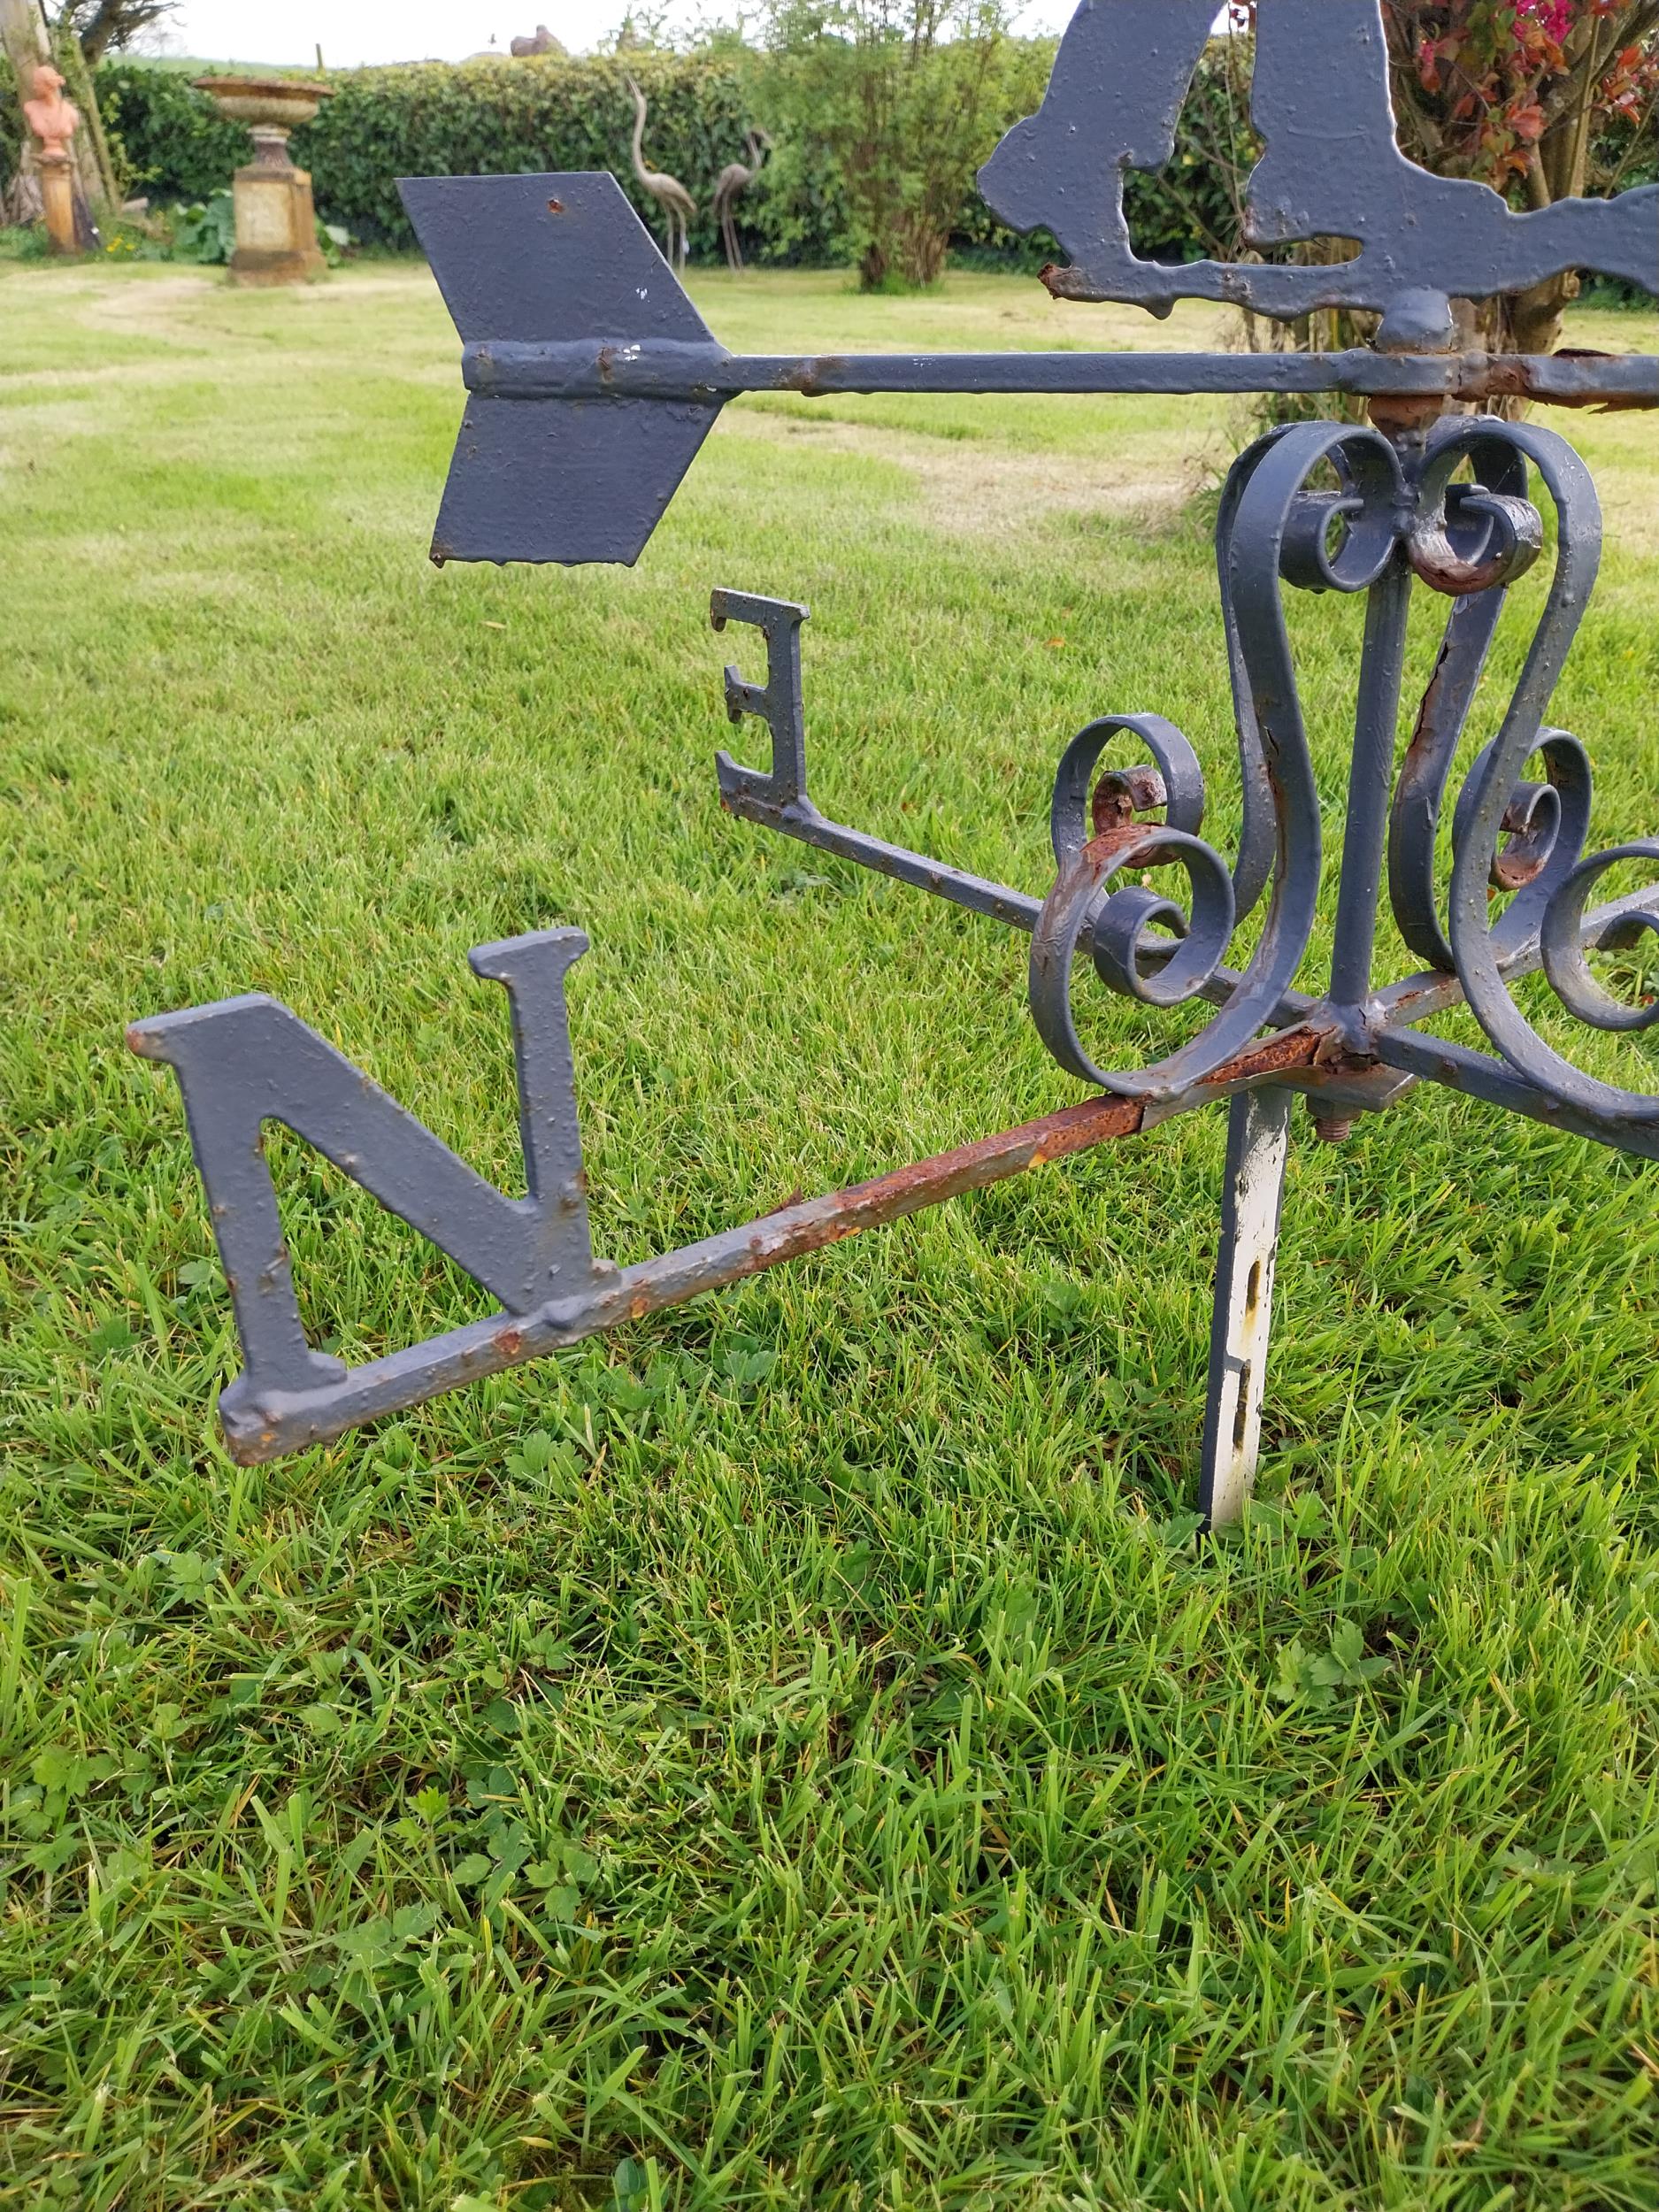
[558,259]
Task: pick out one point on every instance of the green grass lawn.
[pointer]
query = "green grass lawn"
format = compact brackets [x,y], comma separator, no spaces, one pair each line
[793,1752]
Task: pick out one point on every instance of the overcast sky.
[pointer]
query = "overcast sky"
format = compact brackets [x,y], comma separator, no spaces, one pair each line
[354,31]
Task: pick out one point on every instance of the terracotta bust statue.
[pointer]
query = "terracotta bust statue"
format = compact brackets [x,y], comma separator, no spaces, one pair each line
[52,118]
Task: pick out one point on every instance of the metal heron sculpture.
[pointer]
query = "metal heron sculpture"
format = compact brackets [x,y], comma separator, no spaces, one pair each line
[730,185]
[671,195]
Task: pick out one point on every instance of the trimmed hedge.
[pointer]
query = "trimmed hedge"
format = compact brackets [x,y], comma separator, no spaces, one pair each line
[502,116]
[472,118]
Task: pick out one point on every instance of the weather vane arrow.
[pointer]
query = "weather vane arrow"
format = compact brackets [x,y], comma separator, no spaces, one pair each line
[591,382]
[592,379]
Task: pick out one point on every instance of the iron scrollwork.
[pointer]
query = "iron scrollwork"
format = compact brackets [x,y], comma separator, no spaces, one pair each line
[1273,531]
[1394,513]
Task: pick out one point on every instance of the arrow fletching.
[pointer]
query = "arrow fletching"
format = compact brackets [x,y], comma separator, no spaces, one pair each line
[560,261]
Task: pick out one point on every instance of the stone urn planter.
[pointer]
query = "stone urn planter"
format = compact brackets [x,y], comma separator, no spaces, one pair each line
[276,223]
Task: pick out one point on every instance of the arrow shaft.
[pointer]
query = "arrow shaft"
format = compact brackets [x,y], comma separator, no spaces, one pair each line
[672,369]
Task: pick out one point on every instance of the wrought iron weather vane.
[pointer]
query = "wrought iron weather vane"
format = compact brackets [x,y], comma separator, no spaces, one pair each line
[592,381]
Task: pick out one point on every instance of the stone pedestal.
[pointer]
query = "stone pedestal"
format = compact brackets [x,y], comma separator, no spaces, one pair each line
[57,202]
[276,225]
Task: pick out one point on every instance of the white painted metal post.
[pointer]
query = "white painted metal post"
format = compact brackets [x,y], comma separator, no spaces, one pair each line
[1259,1143]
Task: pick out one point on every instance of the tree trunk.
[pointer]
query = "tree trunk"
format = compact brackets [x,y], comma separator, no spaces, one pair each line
[1535,318]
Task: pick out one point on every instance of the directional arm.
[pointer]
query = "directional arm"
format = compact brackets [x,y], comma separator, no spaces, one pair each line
[591,381]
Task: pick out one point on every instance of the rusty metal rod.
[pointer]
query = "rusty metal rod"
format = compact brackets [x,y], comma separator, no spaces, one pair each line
[286,1421]
[676,369]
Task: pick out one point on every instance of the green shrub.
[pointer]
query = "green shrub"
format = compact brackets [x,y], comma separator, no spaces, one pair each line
[902,99]
[205,231]
[11,129]
[435,118]
[175,145]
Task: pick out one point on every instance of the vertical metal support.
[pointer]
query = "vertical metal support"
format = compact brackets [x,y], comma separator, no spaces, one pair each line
[1259,1143]
[1376,737]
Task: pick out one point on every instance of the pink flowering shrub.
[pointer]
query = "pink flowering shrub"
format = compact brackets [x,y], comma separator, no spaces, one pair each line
[1484,85]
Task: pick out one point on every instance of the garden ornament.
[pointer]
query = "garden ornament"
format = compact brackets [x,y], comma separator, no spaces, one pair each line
[543,42]
[591,381]
[275,216]
[671,195]
[730,185]
[53,121]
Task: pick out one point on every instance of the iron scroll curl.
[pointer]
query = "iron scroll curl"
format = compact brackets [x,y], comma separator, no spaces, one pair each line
[1272,531]
[1543,861]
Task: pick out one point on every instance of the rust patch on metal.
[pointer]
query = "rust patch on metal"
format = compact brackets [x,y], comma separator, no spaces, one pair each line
[1427,711]
[1333,1055]
[1078,1128]
[1290,1048]
[1457,580]
[1521,376]
[822,1222]
[1397,415]
[1122,793]
[812,379]
[1609,403]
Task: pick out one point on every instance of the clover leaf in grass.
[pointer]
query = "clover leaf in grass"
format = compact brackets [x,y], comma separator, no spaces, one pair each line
[1314,1679]
[190,1573]
[630,2186]
[1347,1666]
[562,1902]
[1176,1534]
[1064,1299]
[509,1844]
[368,1944]
[52,1854]
[742,1370]
[1295,1518]
[627,1392]
[63,1771]
[122,1867]
[1293,1676]
[540,1460]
